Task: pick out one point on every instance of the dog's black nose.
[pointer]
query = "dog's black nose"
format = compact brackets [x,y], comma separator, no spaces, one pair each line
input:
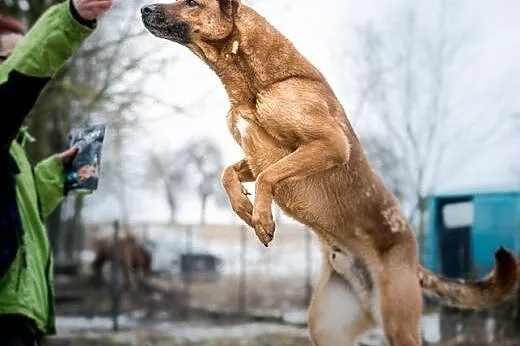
[148,9]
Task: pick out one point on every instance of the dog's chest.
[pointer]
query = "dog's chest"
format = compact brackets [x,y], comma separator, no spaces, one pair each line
[238,125]
[260,148]
[242,126]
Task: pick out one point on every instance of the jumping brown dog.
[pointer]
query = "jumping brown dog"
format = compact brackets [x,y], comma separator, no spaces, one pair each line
[303,154]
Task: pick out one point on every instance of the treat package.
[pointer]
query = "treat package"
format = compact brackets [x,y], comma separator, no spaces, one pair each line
[82,173]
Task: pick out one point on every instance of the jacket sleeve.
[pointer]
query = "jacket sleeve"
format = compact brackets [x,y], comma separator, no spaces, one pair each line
[49,179]
[55,36]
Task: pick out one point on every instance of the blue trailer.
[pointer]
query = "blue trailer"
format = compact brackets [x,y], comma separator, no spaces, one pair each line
[465,229]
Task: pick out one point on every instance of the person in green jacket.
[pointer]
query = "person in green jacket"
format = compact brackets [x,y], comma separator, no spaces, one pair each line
[28,194]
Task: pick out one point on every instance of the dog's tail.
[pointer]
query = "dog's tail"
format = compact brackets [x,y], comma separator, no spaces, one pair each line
[498,286]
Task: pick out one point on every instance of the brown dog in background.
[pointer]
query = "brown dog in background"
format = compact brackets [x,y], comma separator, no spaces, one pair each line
[302,153]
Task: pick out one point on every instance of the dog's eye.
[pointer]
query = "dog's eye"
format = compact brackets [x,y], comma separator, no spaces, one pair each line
[191,3]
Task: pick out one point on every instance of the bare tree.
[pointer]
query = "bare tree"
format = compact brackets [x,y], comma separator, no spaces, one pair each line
[386,163]
[102,82]
[204,166]
[169,171]
[408,74]
[194,168]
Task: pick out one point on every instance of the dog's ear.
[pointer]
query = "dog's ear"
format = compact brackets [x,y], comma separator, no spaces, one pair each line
[229,7]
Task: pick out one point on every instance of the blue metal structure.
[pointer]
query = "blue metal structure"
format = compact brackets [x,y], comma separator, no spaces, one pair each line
[466,228]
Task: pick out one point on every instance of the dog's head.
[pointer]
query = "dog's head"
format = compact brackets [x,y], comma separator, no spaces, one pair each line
[191,21]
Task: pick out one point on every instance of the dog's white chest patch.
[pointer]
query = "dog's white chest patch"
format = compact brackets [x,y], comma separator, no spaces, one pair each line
[242,125]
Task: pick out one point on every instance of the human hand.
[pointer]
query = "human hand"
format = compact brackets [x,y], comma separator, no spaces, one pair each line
[68,155]
[91,9]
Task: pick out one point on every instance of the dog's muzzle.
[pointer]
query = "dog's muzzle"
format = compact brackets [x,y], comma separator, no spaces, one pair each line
[159,25]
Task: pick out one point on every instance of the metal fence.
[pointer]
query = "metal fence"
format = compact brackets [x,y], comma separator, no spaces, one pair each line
[214,270]
[222,272]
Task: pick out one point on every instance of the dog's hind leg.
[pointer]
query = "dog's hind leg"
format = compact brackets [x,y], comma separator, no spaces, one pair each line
[355,271]
[232,178]
[400,304]
[336,317]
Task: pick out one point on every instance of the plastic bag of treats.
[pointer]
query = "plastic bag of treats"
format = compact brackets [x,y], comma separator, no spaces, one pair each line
[82,173]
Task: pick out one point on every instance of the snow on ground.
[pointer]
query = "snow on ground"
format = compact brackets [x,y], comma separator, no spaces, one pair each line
[182,331]
[200,331]
[193,333]
[69,325]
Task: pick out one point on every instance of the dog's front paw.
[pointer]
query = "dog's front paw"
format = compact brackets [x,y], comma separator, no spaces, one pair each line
[245,192]
[264,226]
[342,261]
[334,253]
[244,211]
[335,260]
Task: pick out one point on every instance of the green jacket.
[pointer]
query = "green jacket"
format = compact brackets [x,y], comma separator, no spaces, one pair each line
[26,288]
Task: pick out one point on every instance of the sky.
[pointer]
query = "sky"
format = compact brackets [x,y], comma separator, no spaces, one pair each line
[317,28]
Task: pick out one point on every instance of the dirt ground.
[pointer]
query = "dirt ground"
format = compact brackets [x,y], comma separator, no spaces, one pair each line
[273,294]
[158,339]
[154,337]
[275,340]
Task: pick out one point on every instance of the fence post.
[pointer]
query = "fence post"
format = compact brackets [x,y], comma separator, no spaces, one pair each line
[242,288]
[188,269]
[115,284]
[308,266]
